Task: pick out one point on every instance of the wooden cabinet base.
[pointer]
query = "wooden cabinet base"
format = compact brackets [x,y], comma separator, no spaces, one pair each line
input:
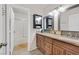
[57,50]
[51,46]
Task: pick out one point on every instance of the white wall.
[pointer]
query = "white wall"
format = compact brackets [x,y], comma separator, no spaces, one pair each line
[32,30]
[56,16]
[20,31]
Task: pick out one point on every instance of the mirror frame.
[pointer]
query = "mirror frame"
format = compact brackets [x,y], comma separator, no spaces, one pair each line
[34,23]
[47,20]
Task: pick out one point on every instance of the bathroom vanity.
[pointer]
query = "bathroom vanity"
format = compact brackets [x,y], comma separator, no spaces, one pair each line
[52,44]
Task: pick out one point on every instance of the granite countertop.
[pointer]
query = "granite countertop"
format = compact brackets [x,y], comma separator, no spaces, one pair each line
[62,38]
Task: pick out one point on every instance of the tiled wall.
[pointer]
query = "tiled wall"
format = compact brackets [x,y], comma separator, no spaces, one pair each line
[74,34]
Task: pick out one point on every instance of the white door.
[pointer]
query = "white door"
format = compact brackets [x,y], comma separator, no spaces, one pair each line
[10,29]
[3,49]
[6,29]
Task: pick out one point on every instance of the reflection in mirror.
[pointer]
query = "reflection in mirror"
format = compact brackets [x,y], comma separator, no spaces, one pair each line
[38,20]
[48,22]
[69,20]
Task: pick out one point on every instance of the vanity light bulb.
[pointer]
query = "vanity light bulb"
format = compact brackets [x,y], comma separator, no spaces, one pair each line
[62,9]
[51,14]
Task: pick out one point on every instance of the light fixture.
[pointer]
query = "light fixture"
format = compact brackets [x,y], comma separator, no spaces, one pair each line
[63,8]
[56,12]
[50,13]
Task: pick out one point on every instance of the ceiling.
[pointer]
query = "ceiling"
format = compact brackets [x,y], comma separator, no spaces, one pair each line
[21,10]
[38,5]
[44,7]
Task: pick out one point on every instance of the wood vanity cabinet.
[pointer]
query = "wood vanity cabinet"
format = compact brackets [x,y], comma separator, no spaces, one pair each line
[48,46]
[40,43]
[63,48]
[71,49]
[43,44]
[51,46]
[48,49]
[57,50]
[60,51]
[70,52]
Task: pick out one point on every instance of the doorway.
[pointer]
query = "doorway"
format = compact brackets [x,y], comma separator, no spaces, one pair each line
[21,29]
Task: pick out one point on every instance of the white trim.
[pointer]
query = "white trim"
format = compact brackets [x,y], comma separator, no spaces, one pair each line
[2,28]
[29,30]
[7,28]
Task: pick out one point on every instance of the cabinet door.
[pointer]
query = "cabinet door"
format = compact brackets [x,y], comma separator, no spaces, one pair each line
[38,41]
[48,48]
[42,43]
[57,50]
[67,52]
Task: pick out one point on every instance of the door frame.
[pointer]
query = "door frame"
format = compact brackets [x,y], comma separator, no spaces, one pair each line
[7,7]
[7,29]
[29,36]
[4,22]
[29,22]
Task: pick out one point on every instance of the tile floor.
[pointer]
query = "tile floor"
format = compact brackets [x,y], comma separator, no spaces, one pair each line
[25,52]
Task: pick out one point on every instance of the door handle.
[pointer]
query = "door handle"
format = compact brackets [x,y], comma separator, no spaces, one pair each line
[3,44]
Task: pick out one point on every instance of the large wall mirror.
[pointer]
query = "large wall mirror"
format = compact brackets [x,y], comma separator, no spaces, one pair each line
[69,20]
[37,21]
[48,22]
